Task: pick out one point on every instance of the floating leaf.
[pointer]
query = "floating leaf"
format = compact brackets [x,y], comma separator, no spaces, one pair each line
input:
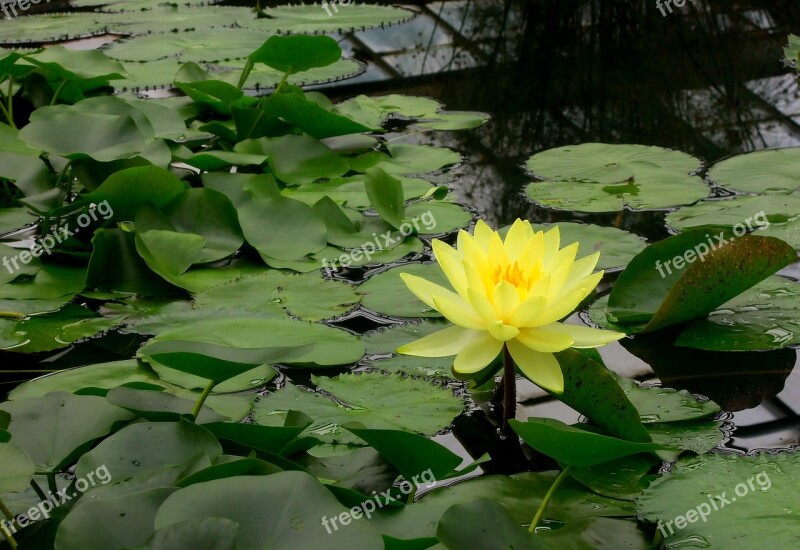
[374,400]
[274,292]
[484,524]
[719,500]
[269,510]
[57,428]
[762,318]
[292,54]
[767,171]
[656,404]
[574,446]
[768,215]
[599,177]
[18,469]
[665,284]
[386,292]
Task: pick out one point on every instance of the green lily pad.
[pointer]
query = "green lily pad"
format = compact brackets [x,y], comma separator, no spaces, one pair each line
[277,293]
[767,171]
[665,285]
[406,159]
[623,478]
[131,451]
[18,469]
[159,406]
[521,495]
[768,215]
[656,404]
[57,330]
[292,54]
[468,525]
[311,19]
[600,177]
[374,400]
[792,51]
[57,428]
[241,337]
[123,521]
[574,446]
[198,534]
[762,318]
[386,292]
[51,27]
[717,500]
[283,510]
[282,228]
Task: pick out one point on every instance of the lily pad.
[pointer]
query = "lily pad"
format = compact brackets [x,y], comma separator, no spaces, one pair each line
[718,500]
[283,510]
[657,404]
[386,292]
[375,400]
[762,318]
[600,177]
[278,293]
[57,428]
[766,171]
[767,215]
[240,337]
[666,285]
[18,469]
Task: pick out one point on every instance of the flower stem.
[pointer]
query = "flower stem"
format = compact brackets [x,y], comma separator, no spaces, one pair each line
[13,315]
[546,500]
[199,405]
[510,389]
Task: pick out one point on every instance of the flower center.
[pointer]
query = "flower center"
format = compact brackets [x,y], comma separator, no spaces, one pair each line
[516,276]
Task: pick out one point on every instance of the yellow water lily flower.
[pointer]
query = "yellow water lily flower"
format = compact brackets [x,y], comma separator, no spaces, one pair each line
[509,293]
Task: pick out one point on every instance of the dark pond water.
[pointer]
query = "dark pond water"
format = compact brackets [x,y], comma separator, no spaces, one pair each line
[707,80]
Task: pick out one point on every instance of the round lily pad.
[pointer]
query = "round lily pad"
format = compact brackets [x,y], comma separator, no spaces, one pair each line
[307,296]
[600,177]
[768,171]
[386,292]
[767,215]
[726,500]
[375,400]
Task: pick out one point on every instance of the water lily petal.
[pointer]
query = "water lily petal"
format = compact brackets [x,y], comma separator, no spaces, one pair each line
[424,289]
[545,341]
[477,354]
[528,312]
[584,267]
[458,312]
[501,331]
[574,293]
[451,263]
[497,251]
[517,238]
[505,299]
[482,306]
[552,243]
[483,234]
[584,337]
[449,341]
[560,269]
[540,368]
[562,306]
